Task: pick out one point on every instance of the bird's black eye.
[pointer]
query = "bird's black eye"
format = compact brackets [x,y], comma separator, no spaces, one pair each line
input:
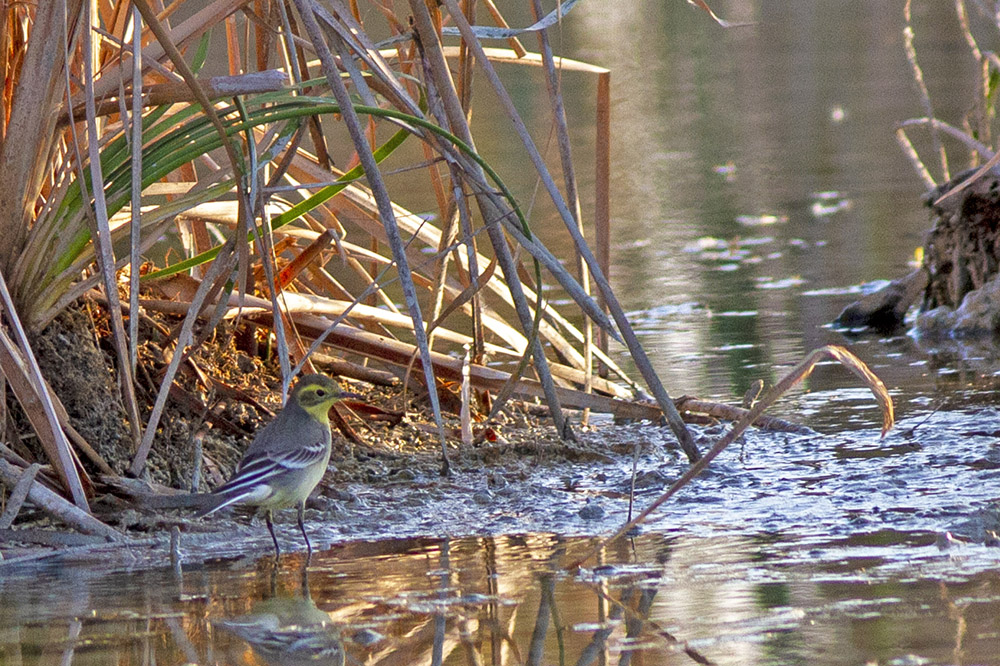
[320,392]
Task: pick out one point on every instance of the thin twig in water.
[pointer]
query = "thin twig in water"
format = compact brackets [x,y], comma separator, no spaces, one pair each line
[794,376]
[631,490]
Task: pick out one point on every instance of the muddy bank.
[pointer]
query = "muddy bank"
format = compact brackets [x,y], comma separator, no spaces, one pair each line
[805,487]
[526,481]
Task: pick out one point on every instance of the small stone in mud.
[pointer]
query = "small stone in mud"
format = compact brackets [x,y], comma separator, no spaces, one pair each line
[496,480]
[483,497]
[592,512]
[342,495]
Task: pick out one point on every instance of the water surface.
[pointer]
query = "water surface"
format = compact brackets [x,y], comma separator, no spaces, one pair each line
[663,598]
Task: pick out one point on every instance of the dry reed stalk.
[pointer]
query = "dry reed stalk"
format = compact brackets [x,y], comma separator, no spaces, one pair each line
[384,203]
[553,84]
[97,217]
[445,88]
[602,197]
[925,98]
[632,342]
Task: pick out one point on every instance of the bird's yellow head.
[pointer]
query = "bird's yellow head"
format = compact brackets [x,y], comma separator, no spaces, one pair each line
[316,394]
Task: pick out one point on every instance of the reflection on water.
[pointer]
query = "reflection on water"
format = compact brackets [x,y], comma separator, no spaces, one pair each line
[756,172]
[507,600]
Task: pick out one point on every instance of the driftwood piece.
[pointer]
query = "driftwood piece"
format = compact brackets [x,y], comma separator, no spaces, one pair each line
[886,308]
[18,494]
[687,404]
[50,538]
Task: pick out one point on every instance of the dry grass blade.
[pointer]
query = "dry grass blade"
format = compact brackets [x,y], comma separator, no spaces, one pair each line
[794,376]
[313,252]
[852,363]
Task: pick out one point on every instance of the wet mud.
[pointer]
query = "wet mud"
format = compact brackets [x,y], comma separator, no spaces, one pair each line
[936,474]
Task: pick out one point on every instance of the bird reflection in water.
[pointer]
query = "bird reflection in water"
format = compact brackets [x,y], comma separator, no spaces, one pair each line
[288,631]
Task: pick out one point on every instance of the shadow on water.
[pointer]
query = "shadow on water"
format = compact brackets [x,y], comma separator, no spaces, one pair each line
[665,599]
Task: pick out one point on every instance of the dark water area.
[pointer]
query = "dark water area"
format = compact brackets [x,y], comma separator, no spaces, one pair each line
[757,189]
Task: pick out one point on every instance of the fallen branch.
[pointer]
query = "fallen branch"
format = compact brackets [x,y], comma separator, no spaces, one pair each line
[725,412]
[56,506]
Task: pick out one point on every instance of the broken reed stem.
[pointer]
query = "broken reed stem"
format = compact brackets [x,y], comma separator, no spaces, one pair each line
[632,342]
[56,506]
[602,198]
[18,493]
[97,216]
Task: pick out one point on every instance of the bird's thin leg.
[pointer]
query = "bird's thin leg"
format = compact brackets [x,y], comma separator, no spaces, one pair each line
[270,528]
[302,526]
